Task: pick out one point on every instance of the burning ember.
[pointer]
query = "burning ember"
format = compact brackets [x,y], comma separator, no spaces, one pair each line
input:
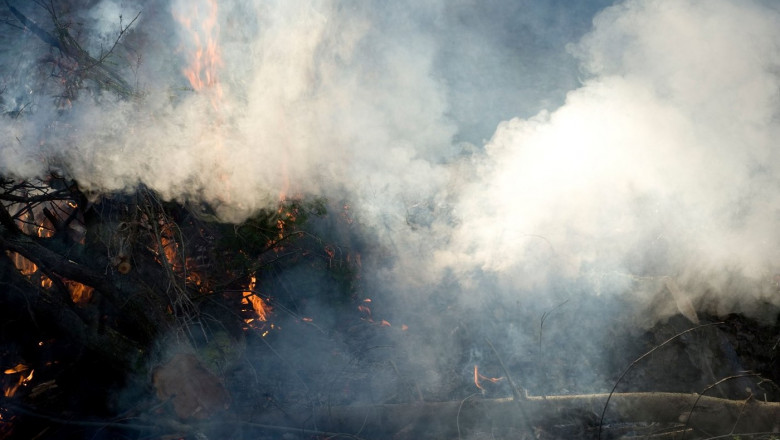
[21,369]
[478,377]
[180,264]
[39,220]
[365,310]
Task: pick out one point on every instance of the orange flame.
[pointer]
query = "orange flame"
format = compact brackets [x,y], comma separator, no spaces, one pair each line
[261,308]
[42,228]
[79,293]
[10,390]
[23,265]
[17,369]
[185,267]
[29,269]
[205,60]
[200,20]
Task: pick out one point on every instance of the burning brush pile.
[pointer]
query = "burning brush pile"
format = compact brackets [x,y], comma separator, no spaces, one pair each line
[102,291]
[128,317]
[166,272]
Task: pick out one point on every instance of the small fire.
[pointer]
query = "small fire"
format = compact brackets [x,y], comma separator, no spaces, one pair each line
[186,266]
[79,293]
[44,228]
[286,214]
[200,21]
[261,308]
[20,369]
[29,269]
[478,377]
[17,369]
[366,311]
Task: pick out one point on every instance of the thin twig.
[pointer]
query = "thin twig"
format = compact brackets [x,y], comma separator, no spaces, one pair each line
[701,394]
[71,422]
[457,416]
[515,391]
[639,359]
[517,397]
[300,430]
[546,315]
[769,435]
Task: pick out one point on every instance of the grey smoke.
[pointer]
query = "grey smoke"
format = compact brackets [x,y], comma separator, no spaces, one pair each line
[500,151]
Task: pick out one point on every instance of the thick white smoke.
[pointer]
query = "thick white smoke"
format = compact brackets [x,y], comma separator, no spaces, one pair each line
[661,163]
[313,98]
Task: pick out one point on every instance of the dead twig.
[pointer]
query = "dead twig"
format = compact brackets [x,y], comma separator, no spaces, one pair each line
[78,61]
[546,315]
[725,379]
[517,396]
[460,407]
[639,359]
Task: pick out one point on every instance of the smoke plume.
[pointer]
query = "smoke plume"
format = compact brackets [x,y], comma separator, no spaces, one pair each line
[500,152]
[660,164]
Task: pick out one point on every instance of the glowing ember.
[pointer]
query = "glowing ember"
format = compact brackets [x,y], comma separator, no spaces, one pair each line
[478,377]
[181,266]
[10,390]
[30,270]
[79,293]
[25,266]
[17,369]
[26,221]
[366,311]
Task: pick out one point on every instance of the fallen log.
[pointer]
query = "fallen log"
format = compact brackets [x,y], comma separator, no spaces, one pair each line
[705,415]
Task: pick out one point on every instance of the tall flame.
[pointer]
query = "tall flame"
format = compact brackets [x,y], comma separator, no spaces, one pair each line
[200,21]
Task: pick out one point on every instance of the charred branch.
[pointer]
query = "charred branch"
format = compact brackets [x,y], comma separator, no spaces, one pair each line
[34,28]
[59,267]
[53,308]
